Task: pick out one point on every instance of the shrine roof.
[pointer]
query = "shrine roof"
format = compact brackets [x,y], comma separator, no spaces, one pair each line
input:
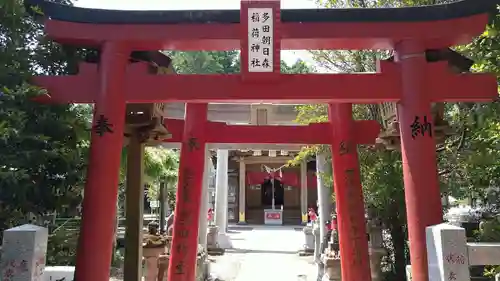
[62,12]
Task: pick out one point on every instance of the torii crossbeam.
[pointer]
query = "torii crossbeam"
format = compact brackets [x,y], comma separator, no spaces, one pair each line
[365,132]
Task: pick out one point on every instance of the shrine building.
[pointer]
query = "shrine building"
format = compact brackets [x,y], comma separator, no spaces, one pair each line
[249,183]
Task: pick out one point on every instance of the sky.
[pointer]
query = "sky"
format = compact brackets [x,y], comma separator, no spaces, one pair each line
[289,57]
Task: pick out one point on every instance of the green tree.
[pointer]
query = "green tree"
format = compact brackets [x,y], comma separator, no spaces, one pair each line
[42,147]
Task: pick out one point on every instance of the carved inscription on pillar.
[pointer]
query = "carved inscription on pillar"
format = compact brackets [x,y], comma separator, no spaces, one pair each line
[193,144]
[185,218]
[356,233]
[102,126]
[421,127]
[346,147]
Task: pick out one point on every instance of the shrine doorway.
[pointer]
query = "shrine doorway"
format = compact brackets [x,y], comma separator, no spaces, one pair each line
[267,193]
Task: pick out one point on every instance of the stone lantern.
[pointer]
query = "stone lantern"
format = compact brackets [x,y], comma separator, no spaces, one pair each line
[376,249]
[146,119]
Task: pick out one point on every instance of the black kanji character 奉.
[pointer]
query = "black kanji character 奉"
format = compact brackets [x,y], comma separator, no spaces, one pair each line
[193,144]
[102,126]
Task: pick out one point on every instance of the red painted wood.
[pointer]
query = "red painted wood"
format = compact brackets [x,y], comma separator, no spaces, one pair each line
[296,36]
[182,264]
[348,195]
[101,189]
[385,86]
[422,193]
[365,133]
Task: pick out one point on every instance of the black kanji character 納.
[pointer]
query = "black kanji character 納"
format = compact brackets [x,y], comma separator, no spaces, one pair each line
[102,126]
[418,128]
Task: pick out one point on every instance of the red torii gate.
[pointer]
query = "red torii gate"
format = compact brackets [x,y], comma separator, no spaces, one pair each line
[411,81]
[344,143]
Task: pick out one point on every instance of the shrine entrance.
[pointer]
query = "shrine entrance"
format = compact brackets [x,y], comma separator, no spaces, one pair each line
[272,188]
[261,29]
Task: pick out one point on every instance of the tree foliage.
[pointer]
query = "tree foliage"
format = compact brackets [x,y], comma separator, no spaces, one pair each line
[42,147]
[468,160]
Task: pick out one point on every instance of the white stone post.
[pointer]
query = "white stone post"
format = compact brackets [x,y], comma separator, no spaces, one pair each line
[242,193]
[303,191]
[203,222]
[221,190]
[24,250]
[324,195]
[221,200]
[447,253]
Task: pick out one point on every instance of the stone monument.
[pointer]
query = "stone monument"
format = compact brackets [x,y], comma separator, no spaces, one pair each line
[24,250]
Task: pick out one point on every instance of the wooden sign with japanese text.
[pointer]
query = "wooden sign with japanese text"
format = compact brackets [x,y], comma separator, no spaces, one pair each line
[260,40]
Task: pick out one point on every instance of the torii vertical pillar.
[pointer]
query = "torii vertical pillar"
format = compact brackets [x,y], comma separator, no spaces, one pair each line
[354,257]
[418,148]
[182,265]
[101,189]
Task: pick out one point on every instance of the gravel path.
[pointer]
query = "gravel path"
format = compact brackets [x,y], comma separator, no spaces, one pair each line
[262,253]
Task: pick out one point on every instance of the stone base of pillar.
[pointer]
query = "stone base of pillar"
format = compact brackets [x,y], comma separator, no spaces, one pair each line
[308,247]
[332,269]
[202,267]
[242,223]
